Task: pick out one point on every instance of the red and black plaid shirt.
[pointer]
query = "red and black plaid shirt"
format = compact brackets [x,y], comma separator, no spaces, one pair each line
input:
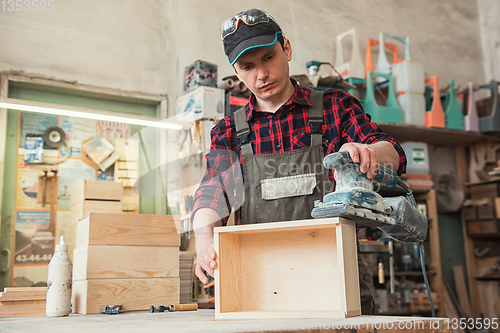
[285,130]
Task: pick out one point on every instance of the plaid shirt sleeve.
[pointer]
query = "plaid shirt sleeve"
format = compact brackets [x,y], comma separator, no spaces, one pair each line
[346,122]
[221,188]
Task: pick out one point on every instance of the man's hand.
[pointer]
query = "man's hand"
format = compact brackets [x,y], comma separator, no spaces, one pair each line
[205,260]
[364,154]
[205,219]
[370,156]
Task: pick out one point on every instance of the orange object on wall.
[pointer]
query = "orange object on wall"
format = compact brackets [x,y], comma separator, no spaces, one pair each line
[369,60]
[435,116]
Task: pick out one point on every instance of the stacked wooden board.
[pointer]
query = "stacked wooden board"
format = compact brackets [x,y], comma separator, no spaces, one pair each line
[126,259]
[186,272]
[88,196]
[127,172]
[23,302]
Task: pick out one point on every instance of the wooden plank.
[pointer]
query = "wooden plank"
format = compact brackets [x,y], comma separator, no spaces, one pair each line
[133,294]
[128,229]
[125,262]
[463,295]
[22,309]
[129,165]
[229,299]
[12,289]
[348,266]
[23,295]
[128,149]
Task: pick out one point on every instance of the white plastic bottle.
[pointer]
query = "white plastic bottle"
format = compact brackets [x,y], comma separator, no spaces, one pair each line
[59,282]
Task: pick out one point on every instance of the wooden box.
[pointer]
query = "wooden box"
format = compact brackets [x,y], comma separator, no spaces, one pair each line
[297,269]
[89,196]
[125,262]
[128,229]
[96,190]
[133,294]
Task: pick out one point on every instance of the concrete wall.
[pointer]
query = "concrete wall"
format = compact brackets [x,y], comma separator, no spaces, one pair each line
[145,45]
[490,37]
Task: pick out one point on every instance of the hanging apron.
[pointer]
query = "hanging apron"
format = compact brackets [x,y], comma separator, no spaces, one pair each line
[283,186]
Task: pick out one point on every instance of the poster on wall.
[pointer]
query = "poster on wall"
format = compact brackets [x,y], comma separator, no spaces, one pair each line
[112,130]
[62,226]
[34,241]
[30,276]
[77,130]
[27,186]
[35,123]
[69,172]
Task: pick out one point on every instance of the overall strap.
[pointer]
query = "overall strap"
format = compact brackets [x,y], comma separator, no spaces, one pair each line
[243,131]
[315,117]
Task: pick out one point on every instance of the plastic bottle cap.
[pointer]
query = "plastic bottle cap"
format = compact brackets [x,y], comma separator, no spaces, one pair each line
[61,246]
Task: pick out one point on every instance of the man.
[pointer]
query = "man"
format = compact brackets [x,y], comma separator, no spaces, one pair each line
[280,138]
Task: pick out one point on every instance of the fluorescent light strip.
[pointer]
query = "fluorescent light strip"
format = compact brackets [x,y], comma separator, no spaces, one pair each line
[90,115]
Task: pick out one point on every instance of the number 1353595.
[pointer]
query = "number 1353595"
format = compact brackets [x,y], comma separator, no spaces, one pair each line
[27,5]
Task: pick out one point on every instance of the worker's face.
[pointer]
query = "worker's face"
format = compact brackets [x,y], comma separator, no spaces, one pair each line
[265,70]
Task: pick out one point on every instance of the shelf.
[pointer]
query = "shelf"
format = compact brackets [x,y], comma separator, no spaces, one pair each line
[405,313]
[491,180]
[432,135]
[413,273]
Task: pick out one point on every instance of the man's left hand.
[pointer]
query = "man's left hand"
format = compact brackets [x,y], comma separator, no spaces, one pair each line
[364,154]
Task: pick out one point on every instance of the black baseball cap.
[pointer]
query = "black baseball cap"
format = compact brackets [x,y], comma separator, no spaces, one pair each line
[248,30]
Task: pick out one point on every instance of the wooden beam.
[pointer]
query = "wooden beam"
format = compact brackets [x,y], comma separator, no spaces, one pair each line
[122,94]
[463,295]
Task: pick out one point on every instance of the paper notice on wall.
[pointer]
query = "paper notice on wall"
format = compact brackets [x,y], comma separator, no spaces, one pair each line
[112,130]
[77,130]
[27,186]
[34,241]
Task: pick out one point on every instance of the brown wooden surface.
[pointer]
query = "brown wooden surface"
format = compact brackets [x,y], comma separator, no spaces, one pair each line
[128,229]
[98,190]
[463,295]
[431,135]
[125,262]
[32,308]
[133,294]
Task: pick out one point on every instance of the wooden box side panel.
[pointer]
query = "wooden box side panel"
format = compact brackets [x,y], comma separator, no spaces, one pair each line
[79,297]
[125,262]
[228,275]
[133,230]
[82,233]
[100,206]
[348,268]
[22,309]
[101,190]
[77,192]
[283,270]
[133,294]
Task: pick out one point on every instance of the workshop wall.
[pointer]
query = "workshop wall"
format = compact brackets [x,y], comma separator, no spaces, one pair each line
[144,46]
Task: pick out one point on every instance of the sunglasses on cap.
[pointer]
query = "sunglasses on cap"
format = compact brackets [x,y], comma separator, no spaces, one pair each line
[250,17]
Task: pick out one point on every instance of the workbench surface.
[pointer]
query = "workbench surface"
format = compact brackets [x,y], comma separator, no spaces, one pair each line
[203,321]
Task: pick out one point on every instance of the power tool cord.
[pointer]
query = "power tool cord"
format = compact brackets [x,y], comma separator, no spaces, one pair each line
[409,195]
